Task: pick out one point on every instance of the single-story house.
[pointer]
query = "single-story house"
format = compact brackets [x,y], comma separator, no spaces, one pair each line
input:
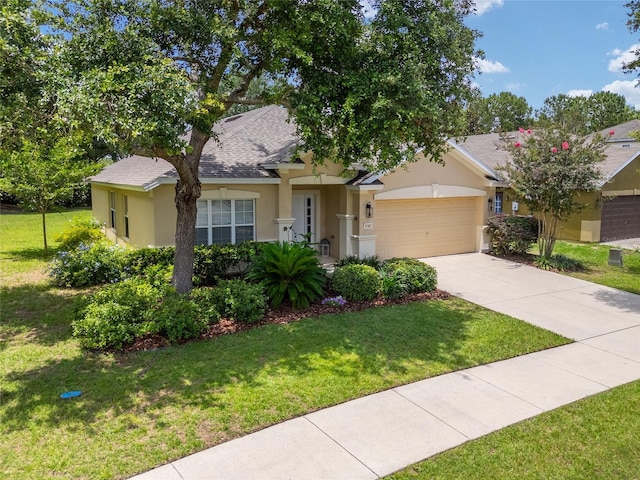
[253,188]
[612,212]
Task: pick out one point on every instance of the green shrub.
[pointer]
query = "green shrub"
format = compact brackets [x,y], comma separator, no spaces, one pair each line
[357,282]
[118,314]
[205,298]
[512,234]
[80,231]
[215,262]
[178,317]
[393,285]
[559,262]
[417,276]
[140,260]
[238,300]
[372,261]
[288,272]
[87,265]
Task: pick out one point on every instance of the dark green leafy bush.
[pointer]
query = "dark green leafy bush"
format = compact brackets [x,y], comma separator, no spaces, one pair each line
[372,261]
[559,262]
[238,300]
[118,314]
[216,262]
[357,282]
[205,298]
[512,235]
[80,231]
[139,260]
[95,264]
[393,285]
[417,276]
[288,272]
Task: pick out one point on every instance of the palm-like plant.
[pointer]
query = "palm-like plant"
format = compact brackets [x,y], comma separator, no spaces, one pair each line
[288,271]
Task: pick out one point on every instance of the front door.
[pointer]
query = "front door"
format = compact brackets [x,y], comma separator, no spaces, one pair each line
[304,212]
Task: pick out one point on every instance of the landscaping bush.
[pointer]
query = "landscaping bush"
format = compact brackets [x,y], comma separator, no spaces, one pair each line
[357,282]
[512,235]
[215,262]
[559,262]
[393,285]
[118,314]
[205,298]
[372,261]
[415,275]
[139,260]
[238,300]
[80,231]
[95,264]
[288,272]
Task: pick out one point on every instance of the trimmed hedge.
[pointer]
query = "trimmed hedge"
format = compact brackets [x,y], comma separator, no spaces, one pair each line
[416,276]
[512,234]
[357,282]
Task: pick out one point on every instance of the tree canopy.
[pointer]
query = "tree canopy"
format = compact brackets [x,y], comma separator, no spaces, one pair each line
[584,115]
[375,91]
[503,112]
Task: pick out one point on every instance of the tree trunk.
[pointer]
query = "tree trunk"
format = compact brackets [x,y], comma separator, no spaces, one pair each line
[188,191]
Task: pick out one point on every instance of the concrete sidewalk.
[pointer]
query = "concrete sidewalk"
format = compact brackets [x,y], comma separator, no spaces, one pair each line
[373,436]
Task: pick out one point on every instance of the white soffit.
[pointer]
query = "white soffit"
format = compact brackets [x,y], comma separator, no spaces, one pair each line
[430,191]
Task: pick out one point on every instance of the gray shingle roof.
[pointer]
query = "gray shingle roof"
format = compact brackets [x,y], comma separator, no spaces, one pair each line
[244,142]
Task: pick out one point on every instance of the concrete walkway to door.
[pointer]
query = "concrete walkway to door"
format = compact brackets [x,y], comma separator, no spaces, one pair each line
[374,436]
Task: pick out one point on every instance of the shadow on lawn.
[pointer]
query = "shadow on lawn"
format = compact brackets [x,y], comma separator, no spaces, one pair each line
[332,359]
[37,308]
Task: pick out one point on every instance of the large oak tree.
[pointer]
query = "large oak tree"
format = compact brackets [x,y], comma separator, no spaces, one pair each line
[373,91]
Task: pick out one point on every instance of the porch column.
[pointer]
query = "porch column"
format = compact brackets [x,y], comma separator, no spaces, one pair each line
[345,232]
[283,225]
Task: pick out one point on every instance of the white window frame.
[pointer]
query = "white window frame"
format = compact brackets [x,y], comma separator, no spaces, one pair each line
[112,210]
[498,203]
[233,225]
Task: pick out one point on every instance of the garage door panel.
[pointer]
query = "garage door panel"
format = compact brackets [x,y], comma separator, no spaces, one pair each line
[620,218]
[429,227]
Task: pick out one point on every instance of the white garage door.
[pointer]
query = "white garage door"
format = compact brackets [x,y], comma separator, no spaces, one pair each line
[426,227]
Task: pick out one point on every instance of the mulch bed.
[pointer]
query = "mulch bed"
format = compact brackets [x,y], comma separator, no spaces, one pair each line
[285,314]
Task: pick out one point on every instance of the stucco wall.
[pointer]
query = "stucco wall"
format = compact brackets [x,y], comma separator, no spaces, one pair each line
[628,179]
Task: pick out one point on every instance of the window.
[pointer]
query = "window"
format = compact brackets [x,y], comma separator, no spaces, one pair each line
[498,205]
[112,210]
[126,216]
[225,221]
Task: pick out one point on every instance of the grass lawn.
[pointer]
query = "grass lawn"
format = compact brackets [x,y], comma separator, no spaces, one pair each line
[595,258]
[594,438]
[142,409]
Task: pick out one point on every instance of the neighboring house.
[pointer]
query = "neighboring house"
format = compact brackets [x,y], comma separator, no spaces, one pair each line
[254,189]
[612,213]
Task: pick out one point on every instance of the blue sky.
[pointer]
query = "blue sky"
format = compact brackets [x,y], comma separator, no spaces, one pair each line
[539,48]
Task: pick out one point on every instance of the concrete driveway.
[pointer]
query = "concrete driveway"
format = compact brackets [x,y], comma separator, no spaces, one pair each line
[373,436]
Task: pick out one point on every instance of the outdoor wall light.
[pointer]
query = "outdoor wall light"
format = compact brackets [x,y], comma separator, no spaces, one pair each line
[369,210]
[490,201]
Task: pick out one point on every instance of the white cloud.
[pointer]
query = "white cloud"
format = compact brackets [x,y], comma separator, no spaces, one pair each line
[602,26]
[622,57]
[483,6]
[487,66]
[627,89]
[514,87]
[580,93]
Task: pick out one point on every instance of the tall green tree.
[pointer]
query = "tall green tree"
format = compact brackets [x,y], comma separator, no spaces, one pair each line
[501,112]
[549,169]
[633,24]
[584,115]
[375,91]
[42,161]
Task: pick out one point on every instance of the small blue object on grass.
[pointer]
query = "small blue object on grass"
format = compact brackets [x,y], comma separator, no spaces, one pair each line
[71,394]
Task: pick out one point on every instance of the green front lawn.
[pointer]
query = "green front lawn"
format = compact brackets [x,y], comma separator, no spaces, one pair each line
[143,409]
[591,439]
[595,258]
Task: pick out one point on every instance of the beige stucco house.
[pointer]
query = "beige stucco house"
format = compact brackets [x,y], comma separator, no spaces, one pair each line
[254,189]
[612,212]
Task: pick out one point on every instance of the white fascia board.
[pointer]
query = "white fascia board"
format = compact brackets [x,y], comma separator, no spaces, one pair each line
[121,186]
[362,187]
[283,165]
[239,181]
